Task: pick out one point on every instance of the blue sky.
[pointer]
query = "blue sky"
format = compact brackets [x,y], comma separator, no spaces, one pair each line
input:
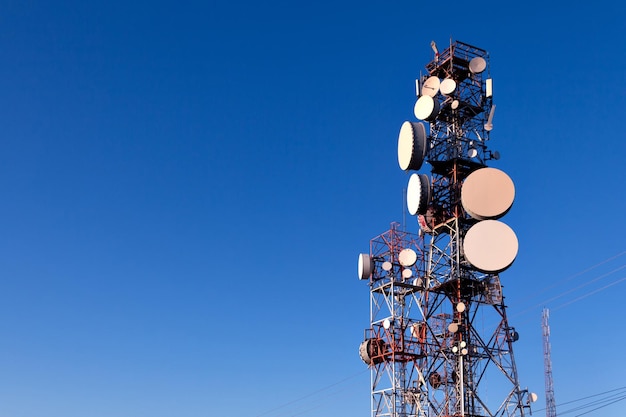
[187,186]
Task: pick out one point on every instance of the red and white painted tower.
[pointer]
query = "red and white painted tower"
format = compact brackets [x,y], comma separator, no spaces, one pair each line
[439,335]
[547,361]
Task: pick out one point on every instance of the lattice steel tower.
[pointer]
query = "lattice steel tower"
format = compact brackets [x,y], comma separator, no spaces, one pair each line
[439,341]
[547,361]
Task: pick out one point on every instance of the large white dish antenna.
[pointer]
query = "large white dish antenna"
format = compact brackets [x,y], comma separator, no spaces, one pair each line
[487,193]
[418,194]
[431,86]
[412,145]
[490,246]
[365,266]
[426,108]
[477,65]
[407,257]
[447,86]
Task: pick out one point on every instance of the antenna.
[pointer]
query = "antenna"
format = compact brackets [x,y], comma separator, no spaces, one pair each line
[487,193]
[433,45]
[477,65]
[404,209]
[418,194]
[431,86]
[489,124]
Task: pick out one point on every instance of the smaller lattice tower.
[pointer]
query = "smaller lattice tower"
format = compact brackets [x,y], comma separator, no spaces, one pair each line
[550,403]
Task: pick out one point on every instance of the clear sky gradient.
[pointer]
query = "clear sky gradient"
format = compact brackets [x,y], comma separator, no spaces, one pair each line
[187,185]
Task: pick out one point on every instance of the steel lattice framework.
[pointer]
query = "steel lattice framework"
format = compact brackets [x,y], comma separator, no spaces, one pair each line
[547,360]
[439,342]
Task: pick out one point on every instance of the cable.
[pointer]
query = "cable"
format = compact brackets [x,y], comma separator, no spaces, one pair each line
[577,274]
[589,396]
[590,293]
[312,393]
[574,289]
[620,396]
[605,405]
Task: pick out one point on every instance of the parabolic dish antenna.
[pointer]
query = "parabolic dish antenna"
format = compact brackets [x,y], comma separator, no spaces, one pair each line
[477,65]
[365,266]
[431,86]
[387,266]
[426,108]
[434,379]
[371,351]
[490,246]
[447,86]
[418,194]
[487,193]
[407,273]
[407,257]
[412,145]
[415,330]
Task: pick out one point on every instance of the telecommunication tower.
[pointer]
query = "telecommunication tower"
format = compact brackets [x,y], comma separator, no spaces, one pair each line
[439,341]
[547,360]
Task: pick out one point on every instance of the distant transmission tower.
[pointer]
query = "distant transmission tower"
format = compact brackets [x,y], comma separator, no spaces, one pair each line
[550,403]
[439,342]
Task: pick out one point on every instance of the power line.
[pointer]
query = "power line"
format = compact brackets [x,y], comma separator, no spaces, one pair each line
[617,396]
[577,274]
[605,405]
[562,294]
[327,387]
[590,293]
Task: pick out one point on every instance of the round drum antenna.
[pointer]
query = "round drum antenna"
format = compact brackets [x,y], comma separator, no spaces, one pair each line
[490,246]
[426,108]
[477,65]
[487,193]
[418,194]
[431,86]
[412,145]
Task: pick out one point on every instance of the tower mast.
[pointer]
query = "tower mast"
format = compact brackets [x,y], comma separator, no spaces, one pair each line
[439,336]
[547,361]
